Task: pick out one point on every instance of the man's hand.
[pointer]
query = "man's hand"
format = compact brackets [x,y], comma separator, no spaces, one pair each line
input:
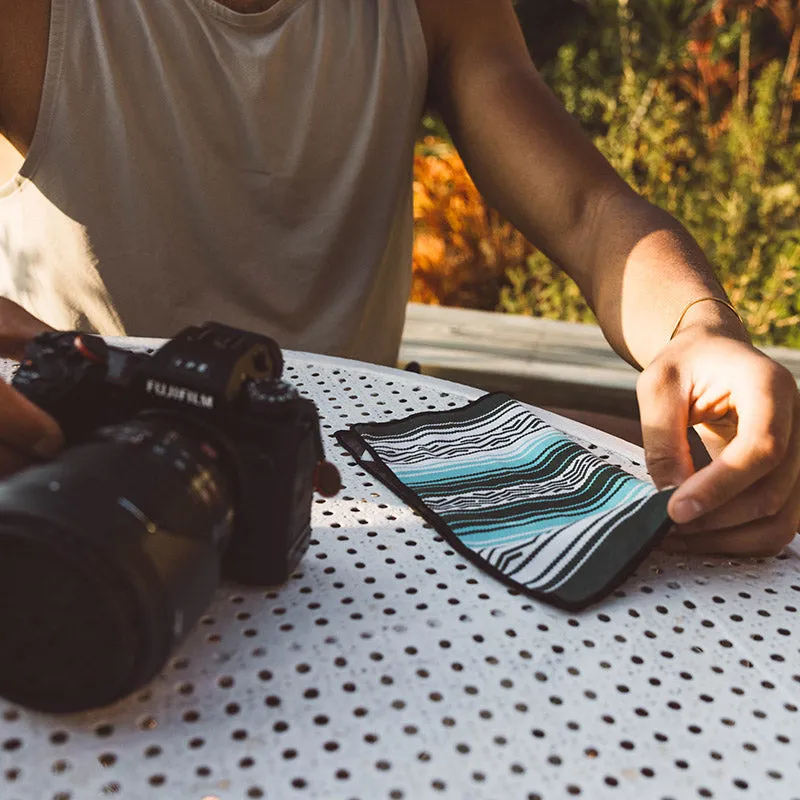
[27,434]
[746,409]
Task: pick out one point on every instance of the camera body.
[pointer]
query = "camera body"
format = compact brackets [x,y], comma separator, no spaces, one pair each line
[182,467]
[225,384]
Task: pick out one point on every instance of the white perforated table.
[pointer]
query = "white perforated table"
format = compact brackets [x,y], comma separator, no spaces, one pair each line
[390,667]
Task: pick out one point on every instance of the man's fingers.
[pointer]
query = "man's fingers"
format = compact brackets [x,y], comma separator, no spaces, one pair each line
[17,328]
[765,498]
[26,432]
[766,413]
[764,537]
[664,413]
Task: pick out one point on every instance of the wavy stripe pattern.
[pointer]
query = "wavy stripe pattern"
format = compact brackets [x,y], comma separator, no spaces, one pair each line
[521,497]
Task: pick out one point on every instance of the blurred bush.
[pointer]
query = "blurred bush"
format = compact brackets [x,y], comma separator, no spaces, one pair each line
[694,105]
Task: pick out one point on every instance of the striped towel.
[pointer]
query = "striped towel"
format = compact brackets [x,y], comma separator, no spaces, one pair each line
[520,499]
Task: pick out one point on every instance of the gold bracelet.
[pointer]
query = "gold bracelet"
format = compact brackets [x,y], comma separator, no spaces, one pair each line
[702,300]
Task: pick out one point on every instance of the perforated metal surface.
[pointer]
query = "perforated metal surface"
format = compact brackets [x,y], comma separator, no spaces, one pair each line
[389,667]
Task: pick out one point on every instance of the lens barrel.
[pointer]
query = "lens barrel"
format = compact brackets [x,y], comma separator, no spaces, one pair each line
[108,555]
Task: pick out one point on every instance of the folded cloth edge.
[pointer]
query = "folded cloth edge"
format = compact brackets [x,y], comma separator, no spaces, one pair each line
[654,508]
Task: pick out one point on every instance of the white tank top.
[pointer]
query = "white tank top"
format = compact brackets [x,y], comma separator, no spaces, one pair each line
[191,163]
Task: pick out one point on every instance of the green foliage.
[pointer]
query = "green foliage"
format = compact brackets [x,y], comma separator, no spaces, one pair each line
[539,289]
[701,139]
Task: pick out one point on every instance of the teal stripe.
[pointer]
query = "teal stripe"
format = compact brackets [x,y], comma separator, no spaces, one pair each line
[487,535]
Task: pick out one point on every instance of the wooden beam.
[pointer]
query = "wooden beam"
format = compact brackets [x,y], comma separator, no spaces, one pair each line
[539,361]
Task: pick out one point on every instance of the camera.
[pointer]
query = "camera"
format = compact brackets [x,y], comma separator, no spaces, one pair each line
[183,467]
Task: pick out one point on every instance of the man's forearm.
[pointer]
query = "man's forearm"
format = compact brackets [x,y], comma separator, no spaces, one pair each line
[634,263]
[646,269]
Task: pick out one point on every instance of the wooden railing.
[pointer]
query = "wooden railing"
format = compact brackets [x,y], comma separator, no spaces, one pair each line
[547,363]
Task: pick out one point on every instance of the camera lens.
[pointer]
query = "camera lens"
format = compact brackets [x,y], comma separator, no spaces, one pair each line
[108,555]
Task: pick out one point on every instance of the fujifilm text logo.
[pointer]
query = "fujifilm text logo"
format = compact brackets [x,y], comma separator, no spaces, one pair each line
[181,395]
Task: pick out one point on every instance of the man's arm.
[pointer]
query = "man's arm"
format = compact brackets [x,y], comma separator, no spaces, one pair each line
[23,57]
[639,269]
[533,163]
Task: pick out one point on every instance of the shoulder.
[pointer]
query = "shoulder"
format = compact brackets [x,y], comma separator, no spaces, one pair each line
[24,35]
[25,25]
[466,25]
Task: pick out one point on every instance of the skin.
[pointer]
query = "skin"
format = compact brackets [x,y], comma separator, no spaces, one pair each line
[522,147]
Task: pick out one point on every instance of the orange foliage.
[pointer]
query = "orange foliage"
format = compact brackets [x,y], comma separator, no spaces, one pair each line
[462,248]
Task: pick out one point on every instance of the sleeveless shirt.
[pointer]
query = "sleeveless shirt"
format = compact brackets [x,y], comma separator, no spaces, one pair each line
[191,162]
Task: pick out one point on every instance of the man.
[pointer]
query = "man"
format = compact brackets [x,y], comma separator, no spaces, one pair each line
[251,162]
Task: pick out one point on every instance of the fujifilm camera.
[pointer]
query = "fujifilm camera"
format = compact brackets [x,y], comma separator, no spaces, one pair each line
[182,467]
